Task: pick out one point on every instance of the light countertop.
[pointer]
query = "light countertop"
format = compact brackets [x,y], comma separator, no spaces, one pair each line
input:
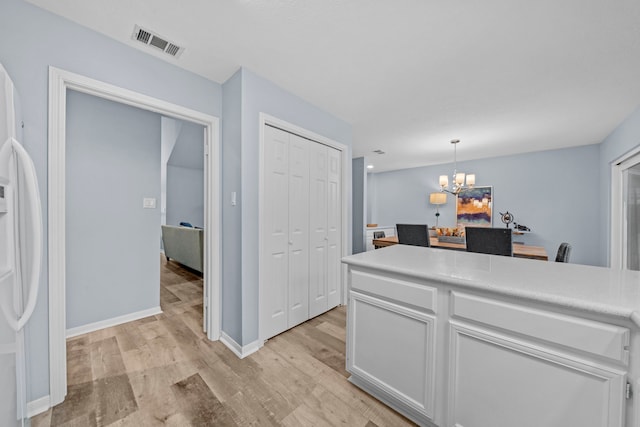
[597,290]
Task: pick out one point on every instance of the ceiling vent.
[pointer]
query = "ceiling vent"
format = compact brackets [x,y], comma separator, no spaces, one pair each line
[152,39]
[378,151]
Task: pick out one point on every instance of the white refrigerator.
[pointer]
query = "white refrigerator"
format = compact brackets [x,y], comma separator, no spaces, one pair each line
[20,255]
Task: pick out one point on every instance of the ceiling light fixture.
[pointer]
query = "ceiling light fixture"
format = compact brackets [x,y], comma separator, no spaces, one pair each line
[369,166]
[458,181]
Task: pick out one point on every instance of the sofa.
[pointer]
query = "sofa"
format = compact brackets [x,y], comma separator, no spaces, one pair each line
[183,245]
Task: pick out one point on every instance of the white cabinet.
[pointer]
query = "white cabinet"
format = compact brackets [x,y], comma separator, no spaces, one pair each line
[391,346]
[531,385]
[301,231]
[543,368]
[443,356]
[388,231]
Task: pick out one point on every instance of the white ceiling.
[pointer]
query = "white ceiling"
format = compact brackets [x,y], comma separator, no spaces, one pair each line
[504,76]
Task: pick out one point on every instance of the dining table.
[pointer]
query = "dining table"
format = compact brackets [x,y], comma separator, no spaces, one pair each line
[520,250]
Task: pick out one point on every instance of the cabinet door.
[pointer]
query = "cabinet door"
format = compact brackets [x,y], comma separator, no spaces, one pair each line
[298,294]
[334,227]
[274,292]
[318,163]
[499,381]
[392,347]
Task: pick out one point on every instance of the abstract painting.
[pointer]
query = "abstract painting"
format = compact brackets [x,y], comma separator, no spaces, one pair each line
[474,207]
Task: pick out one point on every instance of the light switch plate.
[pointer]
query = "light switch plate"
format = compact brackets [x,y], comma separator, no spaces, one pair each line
[149,203]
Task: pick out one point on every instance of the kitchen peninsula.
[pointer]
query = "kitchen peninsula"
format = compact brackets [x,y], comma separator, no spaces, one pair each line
[451,338]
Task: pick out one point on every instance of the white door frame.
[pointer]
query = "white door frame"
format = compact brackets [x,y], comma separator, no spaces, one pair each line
[266,119]
[59,82]
[617,258]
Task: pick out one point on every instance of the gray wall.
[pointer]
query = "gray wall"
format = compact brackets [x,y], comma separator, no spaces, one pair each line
[113,162]
[242,142]
[555,193]
[169,131]
[185,177]
[31,39]
[359,189]
[185,196]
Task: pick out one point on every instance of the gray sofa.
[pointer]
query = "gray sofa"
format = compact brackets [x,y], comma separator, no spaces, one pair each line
[184,245]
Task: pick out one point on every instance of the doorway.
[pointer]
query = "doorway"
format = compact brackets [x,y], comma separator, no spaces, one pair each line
[59,83]
[625,208]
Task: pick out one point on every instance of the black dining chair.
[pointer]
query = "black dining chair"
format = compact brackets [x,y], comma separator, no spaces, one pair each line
[413,234]
[487,240]
[564,250]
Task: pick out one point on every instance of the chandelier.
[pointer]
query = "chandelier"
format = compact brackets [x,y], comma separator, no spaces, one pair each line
[458,179]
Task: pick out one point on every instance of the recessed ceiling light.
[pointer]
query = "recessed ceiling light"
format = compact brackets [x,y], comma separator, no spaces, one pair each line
[369,166]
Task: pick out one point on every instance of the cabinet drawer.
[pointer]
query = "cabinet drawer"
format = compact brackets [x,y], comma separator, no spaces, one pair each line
[593,337]
[396,289]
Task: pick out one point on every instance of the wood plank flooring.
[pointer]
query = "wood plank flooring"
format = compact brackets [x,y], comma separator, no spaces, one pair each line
[162,370]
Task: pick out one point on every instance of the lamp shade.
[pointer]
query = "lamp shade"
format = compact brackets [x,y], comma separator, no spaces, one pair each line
[438,198]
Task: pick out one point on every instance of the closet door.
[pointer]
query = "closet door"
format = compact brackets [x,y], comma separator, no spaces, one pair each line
[275,270]
[334,227]
[319,238]
[298,292]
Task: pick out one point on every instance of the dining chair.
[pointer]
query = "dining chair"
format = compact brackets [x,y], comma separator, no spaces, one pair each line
[564,250]
[487,240]
[413,234]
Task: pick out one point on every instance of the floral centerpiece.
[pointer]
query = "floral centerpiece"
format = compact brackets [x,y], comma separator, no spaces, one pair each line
[450,234]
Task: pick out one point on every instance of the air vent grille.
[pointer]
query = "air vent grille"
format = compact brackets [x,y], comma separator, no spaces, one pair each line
[378,151]
[152,39]
[172,49]
[143,36]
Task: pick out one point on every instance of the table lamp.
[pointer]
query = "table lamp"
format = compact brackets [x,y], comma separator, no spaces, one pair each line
[437,199]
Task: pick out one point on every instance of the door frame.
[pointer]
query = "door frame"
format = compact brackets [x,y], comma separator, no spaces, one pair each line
[59,82]
[618,225]
[266,119]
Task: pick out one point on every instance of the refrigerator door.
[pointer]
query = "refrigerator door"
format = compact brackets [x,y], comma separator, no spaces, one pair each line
[20,229]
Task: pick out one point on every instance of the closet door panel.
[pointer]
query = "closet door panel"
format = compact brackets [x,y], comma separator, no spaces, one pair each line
[298,230]
[334,226]
[276,233]
[318,164]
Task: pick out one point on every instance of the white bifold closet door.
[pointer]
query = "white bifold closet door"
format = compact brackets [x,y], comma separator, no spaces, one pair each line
[301,231]
[325,227]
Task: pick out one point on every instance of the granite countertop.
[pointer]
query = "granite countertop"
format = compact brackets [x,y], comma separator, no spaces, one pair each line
[592,289]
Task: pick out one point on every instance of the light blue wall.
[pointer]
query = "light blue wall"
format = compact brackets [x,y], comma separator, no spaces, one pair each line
[623,139]
[31,39]
[185,196]
[555,193]
[112,163]
[260,95]
[231,215]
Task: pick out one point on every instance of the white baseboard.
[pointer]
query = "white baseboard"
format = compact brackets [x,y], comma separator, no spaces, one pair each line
[79,330]
[38,406]
[238,350]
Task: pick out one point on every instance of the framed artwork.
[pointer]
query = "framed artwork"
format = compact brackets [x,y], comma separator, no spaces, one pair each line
[474,207]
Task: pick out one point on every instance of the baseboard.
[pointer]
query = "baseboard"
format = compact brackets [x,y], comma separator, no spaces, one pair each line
[79,330]
[238,350]
[38,406]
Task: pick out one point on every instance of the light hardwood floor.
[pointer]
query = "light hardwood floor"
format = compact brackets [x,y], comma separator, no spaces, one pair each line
[162,370]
